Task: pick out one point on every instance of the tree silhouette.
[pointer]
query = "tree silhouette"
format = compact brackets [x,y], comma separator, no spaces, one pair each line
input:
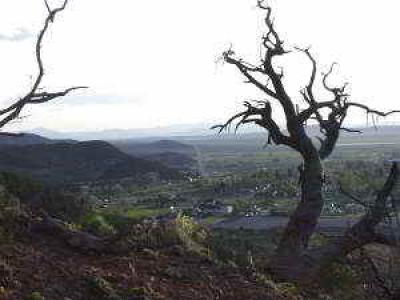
[292,256]
[36,95]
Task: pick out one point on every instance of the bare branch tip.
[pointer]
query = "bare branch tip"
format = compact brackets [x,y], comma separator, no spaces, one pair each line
[47,6]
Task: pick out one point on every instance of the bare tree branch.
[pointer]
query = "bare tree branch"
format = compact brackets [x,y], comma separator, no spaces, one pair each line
[350,130]
[262,116]
[371,111]
[309,96]
[273,46]
[13,111]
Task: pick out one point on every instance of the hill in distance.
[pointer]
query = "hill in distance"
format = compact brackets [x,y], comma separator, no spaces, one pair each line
[136,148]
[168,152]
[172,153]
[174,160]
[65,163]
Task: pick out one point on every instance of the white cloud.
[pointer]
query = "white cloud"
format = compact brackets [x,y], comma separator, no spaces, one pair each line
[19,35]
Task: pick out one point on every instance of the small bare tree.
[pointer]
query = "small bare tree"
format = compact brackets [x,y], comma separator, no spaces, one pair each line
[36,94]
[293,258]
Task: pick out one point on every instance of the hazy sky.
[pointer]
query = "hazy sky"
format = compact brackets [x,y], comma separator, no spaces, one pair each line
[155,63]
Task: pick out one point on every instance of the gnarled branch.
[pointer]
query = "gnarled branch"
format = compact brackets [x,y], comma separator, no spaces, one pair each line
[273,46]
[261,115]
[13,111]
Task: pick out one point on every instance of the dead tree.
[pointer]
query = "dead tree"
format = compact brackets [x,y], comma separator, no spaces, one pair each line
[36,95]
[328,115]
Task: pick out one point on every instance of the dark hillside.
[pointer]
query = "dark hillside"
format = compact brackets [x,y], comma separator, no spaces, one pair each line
[171,153]
[29,139]
[65,163]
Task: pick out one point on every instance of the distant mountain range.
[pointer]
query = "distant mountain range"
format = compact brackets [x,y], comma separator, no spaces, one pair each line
[121,134]
[181,132]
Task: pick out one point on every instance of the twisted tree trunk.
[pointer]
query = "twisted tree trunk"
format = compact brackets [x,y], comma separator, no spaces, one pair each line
[302,223]
[305,265]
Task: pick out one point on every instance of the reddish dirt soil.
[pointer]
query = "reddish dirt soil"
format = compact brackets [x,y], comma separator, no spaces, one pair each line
[57,272]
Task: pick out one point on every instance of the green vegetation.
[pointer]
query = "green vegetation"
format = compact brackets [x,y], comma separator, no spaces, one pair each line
[139,213]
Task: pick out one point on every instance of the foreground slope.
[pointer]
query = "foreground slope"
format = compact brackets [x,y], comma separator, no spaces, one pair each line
[47,269]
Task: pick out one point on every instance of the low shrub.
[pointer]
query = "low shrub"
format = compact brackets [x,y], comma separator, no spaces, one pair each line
[14,219]
[150,233]
[37,197]
[98,225]
[192,235]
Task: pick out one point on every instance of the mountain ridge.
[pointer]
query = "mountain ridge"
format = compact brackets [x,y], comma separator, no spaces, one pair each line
[180,132]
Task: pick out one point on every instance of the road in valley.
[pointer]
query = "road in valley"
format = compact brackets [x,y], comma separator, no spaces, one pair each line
[331,226]
[269,222]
